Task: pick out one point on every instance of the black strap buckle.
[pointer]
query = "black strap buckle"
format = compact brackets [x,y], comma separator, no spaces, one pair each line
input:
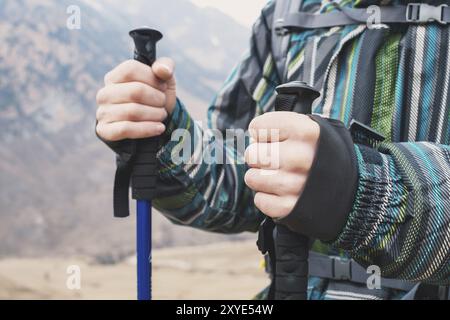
[279,27]
[365,135]
[423,13]
[342,269]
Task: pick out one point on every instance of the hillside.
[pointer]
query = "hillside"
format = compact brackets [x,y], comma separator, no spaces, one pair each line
[55,176]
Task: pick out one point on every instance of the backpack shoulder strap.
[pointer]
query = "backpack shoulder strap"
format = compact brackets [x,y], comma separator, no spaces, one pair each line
[280,38]
[288,16]
[413,13]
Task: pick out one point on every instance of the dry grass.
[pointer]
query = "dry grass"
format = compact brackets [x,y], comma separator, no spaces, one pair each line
[219,271]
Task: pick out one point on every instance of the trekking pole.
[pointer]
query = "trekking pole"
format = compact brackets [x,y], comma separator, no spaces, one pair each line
[291,248]
[144,174]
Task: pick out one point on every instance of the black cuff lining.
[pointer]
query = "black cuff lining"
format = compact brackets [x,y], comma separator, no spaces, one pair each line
[323,208]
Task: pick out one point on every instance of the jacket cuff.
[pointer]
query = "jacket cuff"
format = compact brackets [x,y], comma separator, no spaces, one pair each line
[379,183]
[180,119]
[325,204]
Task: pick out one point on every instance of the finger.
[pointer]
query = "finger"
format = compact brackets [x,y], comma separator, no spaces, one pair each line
[275,182]
[117,131]
[164,68]
[130,112]
[275,206]
[134,71]
[263,155]
[131,92]
[290,155]
[280,126]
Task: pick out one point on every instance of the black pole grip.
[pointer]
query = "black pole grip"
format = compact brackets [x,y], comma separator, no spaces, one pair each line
[144,171]
[291,271]
[292,249]
[296,96]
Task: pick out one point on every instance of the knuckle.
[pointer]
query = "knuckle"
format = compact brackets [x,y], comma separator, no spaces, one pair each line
[129,113]
[301,117]
[132,68]
[101,112]
[103,133]
[138,91]
[132,112]
[123,130]
[100,97]
[99,129]
[158,98]
[130,64]
[280,184]
[163,99]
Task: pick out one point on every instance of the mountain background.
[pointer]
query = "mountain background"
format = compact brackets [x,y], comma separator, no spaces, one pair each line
[55,176]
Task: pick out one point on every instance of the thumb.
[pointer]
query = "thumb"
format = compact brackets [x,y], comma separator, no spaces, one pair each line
[164,68]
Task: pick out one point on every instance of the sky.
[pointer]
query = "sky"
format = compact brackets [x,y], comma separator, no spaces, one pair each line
[243,11]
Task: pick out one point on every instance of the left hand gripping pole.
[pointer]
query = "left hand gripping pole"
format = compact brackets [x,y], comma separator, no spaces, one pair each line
[144,173]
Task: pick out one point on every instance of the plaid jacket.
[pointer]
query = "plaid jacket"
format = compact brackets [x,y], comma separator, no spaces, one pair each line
[394,79]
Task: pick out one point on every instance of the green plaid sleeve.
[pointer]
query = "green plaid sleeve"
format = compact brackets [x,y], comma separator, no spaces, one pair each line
[400,220]
[212,195]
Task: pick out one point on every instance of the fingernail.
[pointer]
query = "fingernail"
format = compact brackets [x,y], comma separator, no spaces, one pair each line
[161,128]
[166,68]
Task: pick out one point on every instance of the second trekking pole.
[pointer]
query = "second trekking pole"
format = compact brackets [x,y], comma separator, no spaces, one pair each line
[291,248]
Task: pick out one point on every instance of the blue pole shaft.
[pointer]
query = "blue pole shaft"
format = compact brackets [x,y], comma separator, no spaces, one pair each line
[144,180]
[144,247]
